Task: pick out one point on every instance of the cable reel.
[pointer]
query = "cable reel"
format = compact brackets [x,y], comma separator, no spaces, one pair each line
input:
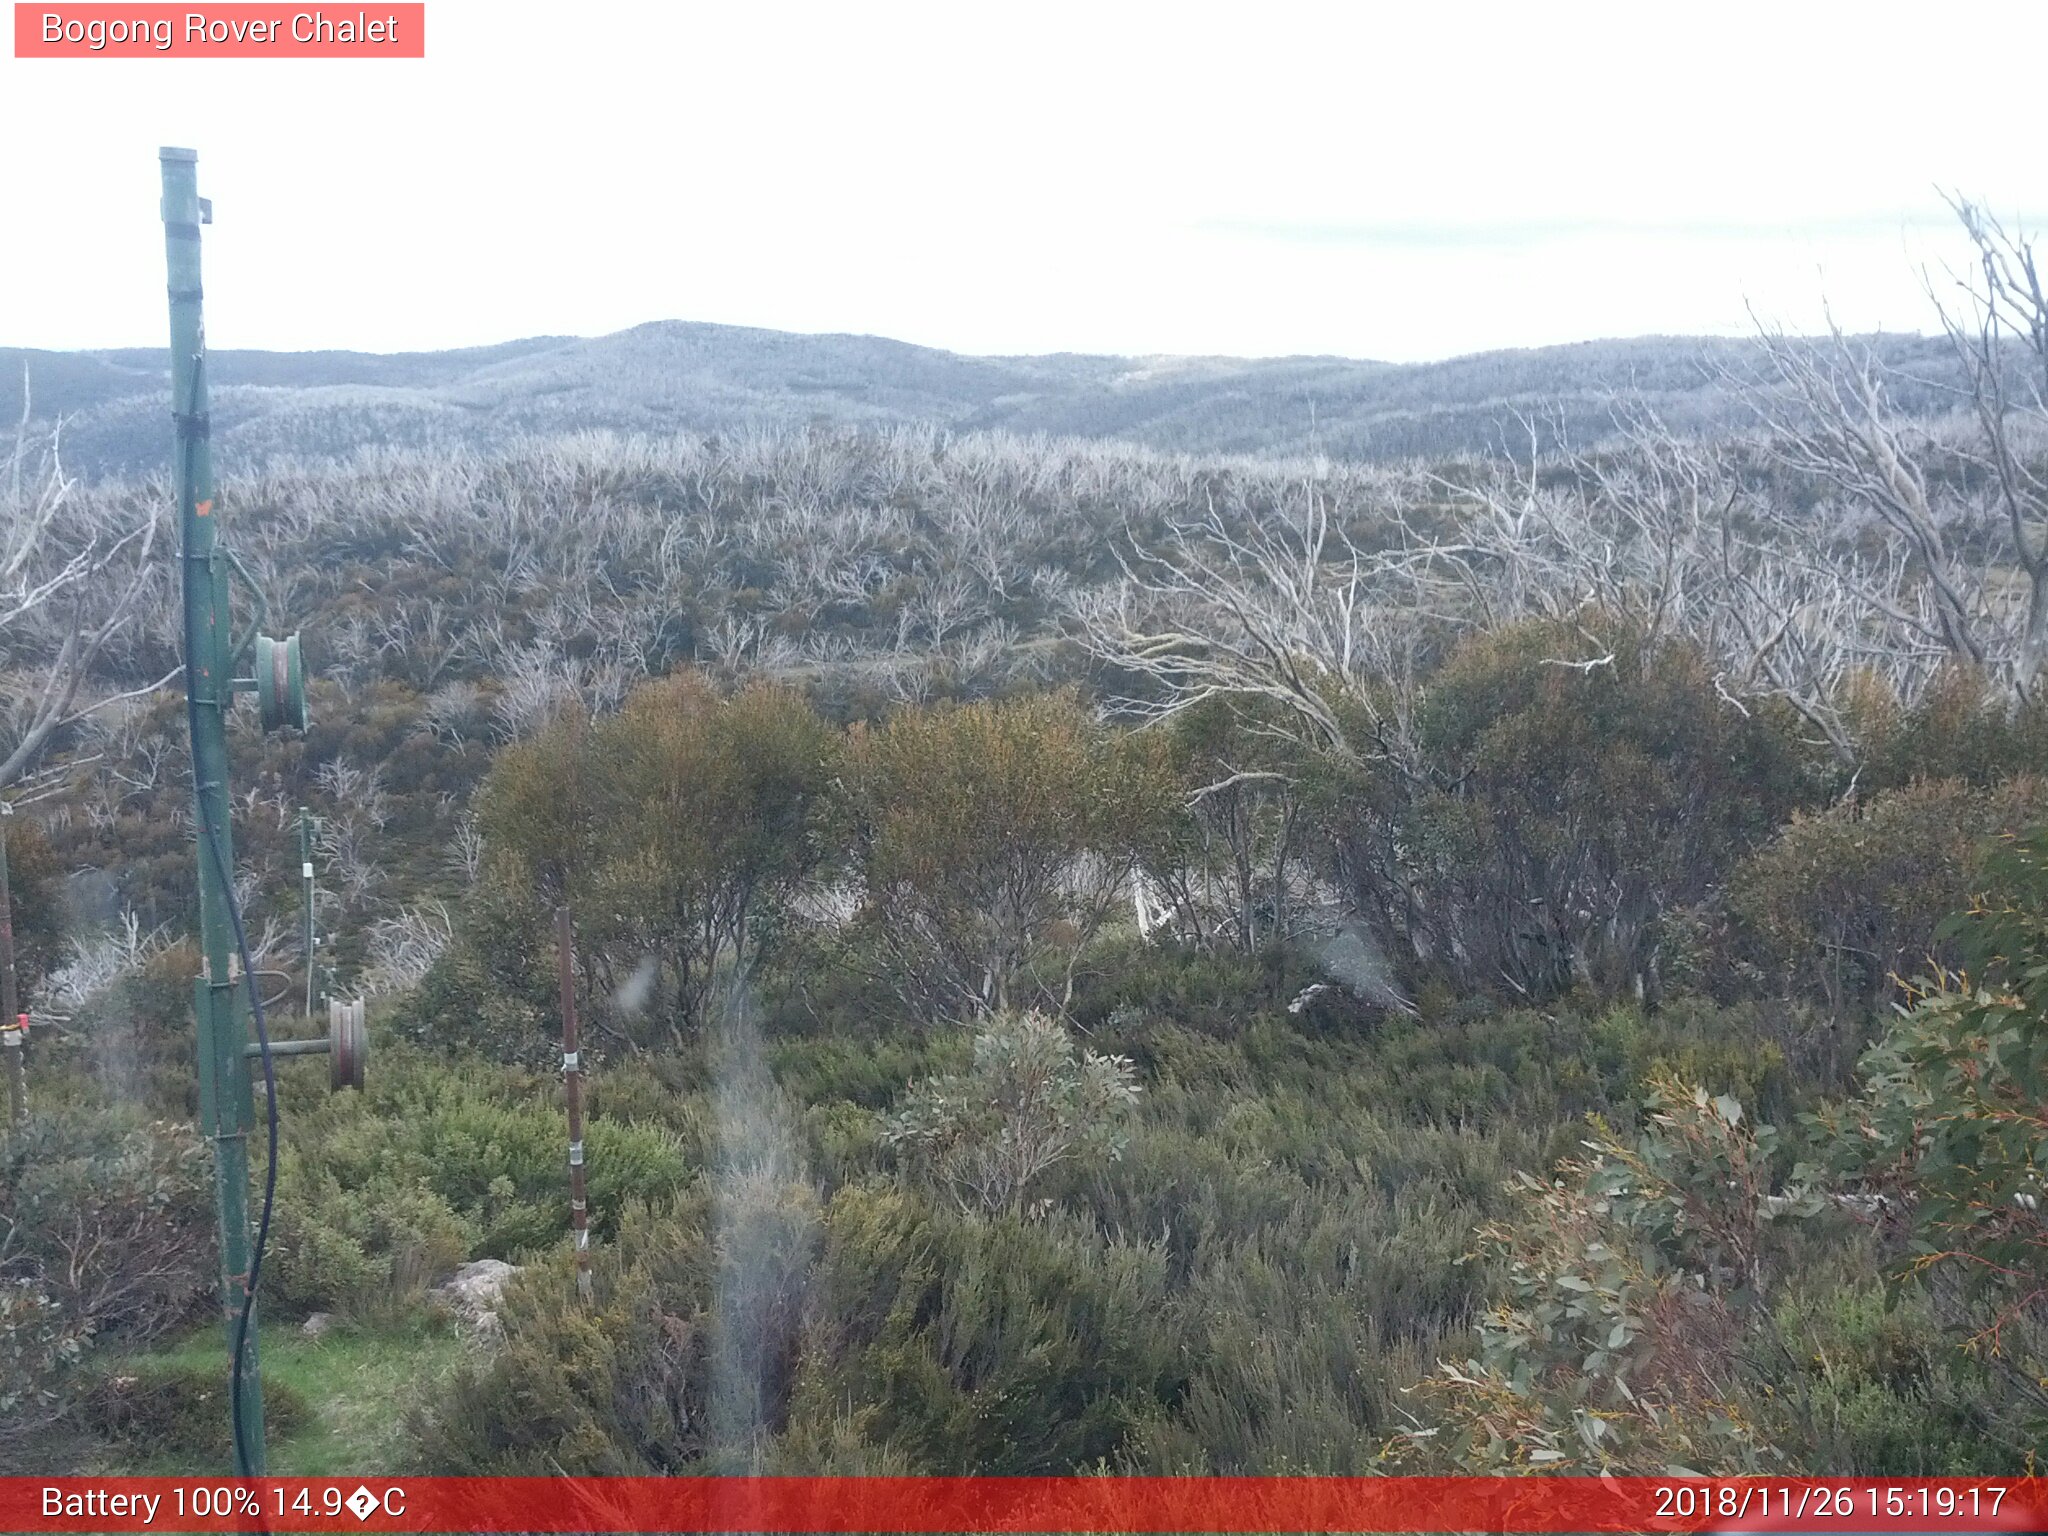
[280,683]
[348,1044]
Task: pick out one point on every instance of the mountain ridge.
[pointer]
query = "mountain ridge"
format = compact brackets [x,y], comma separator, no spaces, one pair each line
[670,375]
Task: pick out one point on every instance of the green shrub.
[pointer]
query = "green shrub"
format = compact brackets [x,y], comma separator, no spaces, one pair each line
[1223,866]
[1845,904]
[492,991]
[179,1411]
[765,1229]
[141,1030]
[385,1192]
[1962,727]
[1028,1102]
[618,1387]
[36,882]
[39,1353]
[359,1248]
[105,1230]
[868,1072]
[993,841]
[1868,1386]
[1136,984]
[1950,1127]
[649,1088]
[679,829]
[723,1337]
[844,1141]
[1300,1313]
[1629,1282]
[988,1346]
[111,1216]
[1560,812]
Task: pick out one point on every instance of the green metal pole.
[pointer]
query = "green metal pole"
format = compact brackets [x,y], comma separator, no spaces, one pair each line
[225,1109]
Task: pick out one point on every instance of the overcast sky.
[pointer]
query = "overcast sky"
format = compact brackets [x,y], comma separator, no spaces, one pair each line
[1402,181]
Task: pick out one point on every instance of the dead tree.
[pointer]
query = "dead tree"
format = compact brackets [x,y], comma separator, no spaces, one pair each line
[1963,504]
[2000,336]
[1831,420]
[1283,611]
[70,580]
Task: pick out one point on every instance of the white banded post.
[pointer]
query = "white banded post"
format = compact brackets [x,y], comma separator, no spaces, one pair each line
[572,1087]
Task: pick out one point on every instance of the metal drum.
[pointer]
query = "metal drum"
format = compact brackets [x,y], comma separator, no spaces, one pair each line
[348,1044]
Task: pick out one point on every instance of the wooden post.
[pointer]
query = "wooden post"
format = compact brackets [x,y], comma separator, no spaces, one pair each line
[306,897]
[572,1084]
[10,1019]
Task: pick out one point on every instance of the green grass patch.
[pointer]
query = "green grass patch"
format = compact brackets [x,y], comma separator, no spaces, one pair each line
[352,1387]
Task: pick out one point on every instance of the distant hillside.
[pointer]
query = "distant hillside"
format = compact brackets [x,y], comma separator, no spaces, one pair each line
[673,374]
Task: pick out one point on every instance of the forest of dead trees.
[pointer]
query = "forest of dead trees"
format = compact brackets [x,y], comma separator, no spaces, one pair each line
[960,830]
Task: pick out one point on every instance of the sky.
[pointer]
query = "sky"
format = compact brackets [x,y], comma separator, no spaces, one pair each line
[1403,181]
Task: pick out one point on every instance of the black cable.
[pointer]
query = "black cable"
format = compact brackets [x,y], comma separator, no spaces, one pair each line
[243,1461]
[234,907]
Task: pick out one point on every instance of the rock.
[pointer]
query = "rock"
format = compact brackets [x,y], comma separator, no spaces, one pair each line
[316,1325]
[474,1289]
[1308,995]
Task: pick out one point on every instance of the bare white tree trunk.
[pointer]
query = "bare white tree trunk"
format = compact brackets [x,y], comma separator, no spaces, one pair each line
[71,578]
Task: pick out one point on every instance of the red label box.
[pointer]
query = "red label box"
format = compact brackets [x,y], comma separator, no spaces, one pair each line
[944,1506]
[225,31]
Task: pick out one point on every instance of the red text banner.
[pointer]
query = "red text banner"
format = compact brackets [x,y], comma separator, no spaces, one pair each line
[1023,1504]
[225,31]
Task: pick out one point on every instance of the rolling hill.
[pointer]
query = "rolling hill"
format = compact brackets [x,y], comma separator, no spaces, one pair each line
[672,375]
